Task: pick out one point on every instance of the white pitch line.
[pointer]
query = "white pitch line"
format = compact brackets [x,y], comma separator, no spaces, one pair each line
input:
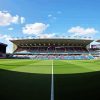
[52,84]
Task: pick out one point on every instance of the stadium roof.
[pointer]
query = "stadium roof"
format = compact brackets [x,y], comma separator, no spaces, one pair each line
[51,42]
[98,41]
[3,44]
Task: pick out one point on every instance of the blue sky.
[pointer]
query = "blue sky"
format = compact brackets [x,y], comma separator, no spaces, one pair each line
[48,18]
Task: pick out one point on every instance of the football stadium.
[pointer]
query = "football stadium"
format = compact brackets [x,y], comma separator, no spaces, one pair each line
[50,69]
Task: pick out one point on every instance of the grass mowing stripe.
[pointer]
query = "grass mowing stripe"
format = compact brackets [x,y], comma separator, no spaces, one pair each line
[81,65]
[66,67]
[16,64]
[88,65]
[35,68]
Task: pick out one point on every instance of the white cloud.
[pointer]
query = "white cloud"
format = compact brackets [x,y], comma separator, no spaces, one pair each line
[14,19]
[10,29]
[49,15]
[5,39]
[22,20]
[6,18]
[36,28]
[82,31]
[52,35]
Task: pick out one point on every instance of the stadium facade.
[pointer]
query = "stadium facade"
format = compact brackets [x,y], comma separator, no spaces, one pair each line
[3,50]
[52,48]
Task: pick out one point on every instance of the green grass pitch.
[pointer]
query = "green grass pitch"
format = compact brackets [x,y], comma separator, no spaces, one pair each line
[23,79]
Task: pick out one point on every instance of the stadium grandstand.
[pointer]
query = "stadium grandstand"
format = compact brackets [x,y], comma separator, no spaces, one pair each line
[3,50]
[51,48]
[95,50]
[98,40]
